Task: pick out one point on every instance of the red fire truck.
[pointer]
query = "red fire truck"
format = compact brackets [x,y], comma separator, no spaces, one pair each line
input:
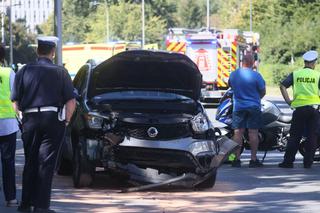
[216,55]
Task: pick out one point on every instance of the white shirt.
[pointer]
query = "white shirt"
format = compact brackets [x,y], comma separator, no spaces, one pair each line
[9,125]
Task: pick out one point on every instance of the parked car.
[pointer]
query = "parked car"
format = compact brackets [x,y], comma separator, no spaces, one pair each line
[138,113]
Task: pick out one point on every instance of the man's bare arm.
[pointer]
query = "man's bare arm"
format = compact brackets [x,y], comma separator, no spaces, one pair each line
[285,94]
[15,107]
[70,107]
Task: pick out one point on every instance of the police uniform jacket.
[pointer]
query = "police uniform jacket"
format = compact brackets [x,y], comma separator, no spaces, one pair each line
[42,84]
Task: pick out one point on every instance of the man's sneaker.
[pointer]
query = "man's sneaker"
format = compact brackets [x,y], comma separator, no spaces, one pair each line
[12,203]
[255,163]
[236,163]
[285,165]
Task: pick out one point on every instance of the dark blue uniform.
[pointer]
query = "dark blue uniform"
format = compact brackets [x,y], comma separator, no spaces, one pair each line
[37,85]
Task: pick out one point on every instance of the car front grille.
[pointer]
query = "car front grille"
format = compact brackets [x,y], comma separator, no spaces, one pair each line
[164,131]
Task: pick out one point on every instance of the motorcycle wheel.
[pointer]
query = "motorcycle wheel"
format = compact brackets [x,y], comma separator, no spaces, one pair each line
[303,151]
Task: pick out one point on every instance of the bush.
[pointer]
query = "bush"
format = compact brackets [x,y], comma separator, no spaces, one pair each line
[275,73]
[281,71]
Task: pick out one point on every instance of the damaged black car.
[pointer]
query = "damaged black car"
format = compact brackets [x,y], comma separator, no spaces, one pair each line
[138,113]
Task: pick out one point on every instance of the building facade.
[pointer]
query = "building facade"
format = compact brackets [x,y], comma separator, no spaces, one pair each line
[34,12]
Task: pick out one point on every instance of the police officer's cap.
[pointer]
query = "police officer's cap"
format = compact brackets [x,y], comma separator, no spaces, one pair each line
[48,40]
[310,56]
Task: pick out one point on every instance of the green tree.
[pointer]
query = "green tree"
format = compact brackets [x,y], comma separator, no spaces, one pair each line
[164,10]
[75,24]
[190,14]
[22,41]
[125,27]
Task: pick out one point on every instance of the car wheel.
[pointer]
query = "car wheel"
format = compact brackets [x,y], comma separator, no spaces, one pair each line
[209,182]
[64,165]
[302,151]
[83,169]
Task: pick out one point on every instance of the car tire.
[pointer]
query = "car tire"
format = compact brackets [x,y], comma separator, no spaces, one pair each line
[209,182]
[83,169]
[64,165]
[303,151]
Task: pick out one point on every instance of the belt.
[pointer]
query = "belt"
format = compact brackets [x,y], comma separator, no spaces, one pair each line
[42,109]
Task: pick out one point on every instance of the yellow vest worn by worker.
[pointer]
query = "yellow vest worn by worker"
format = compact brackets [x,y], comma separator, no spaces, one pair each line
[305,87]
[6,109]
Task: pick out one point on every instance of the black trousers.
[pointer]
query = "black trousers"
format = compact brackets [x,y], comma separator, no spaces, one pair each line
[304,123]
[42,135]
[8,153]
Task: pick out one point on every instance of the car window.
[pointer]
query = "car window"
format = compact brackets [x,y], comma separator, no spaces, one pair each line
[80,79]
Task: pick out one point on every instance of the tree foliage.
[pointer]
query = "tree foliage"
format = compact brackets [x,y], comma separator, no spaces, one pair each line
[287,27]
[190,14]
[22,41]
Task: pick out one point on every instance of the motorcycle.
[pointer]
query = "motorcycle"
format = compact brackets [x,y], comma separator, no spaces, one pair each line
[274,133]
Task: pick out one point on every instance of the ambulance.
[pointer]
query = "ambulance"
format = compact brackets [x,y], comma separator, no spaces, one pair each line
[74,56]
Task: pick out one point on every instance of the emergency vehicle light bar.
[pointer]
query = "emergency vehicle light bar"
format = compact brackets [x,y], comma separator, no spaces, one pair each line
[201,42]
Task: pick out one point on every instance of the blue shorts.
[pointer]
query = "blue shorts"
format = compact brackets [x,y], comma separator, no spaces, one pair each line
[247,118]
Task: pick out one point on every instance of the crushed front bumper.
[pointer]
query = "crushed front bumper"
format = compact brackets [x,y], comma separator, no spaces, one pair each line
[180,156]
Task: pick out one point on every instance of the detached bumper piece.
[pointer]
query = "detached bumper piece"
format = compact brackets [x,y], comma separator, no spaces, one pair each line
[184,179]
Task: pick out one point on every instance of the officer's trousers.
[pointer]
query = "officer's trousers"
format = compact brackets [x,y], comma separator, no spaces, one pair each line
[8,152]
[42,135]
[304,123]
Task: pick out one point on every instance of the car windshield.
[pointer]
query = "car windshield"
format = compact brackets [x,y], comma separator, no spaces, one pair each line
[141,95]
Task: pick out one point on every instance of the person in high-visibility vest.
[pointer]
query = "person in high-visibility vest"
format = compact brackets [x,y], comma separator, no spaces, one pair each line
[8,132]
[305,118]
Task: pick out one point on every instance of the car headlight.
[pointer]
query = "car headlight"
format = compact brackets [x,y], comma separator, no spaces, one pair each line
[199,123]
[94,122]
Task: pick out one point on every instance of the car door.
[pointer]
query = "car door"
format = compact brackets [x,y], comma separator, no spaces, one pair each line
[80,85]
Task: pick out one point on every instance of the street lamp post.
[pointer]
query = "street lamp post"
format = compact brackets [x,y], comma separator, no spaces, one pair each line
[250,15]
[2,23]
[208,15]
[106,12]
[58,30]
[10,33]
[143,33]
[107,18]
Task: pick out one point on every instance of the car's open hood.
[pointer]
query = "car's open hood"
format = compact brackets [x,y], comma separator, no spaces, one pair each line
[147,70]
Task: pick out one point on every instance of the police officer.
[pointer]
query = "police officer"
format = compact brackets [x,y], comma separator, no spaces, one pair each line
[8,132]
[41,89]
[305,118]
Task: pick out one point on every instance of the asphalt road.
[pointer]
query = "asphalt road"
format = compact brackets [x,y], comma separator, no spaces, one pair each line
[267,189]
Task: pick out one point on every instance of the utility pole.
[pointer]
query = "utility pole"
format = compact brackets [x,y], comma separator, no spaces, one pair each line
[143,36]
[2,23]
[250,15]
[10,32]
[58,30]
[107,19]
[208,15]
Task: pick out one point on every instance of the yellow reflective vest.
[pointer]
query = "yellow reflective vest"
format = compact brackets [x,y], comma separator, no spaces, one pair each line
[305,87]
[6,109]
